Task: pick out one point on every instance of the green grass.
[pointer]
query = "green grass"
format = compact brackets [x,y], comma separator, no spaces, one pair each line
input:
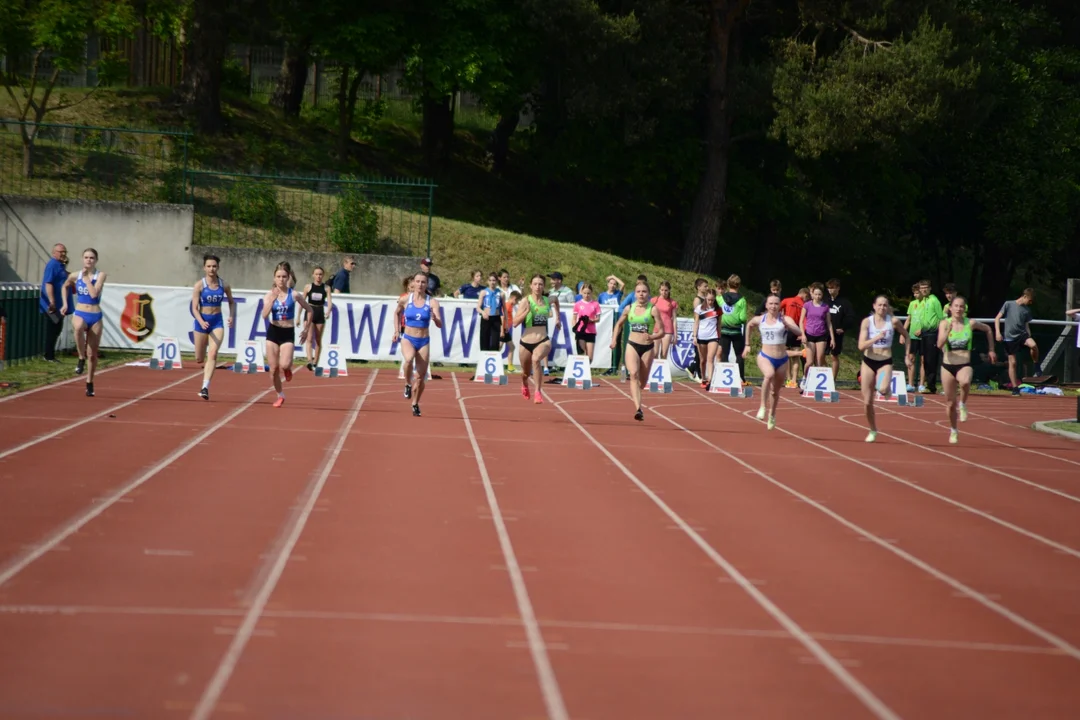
[35,373]
[1067,425]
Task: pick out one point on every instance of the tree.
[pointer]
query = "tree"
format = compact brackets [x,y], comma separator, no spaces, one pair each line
[33,32]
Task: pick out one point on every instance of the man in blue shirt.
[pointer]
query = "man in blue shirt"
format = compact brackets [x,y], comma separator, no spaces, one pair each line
[52,299]
[340,283]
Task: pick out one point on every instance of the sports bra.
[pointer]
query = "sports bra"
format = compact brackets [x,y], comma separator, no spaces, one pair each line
[211,297]
[960,340]
[885,343]
[283,310]
[538,313]
[641,323]
[83,291]
[316,296]
[773,333]
[418,317]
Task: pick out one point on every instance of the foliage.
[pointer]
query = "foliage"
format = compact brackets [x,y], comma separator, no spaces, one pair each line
[253,203]
[354,226]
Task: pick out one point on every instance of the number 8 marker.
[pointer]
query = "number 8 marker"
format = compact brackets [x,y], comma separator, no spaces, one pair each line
[332,358]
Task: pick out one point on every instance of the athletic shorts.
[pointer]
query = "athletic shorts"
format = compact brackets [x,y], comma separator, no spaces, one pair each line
[914,346]
[1015,347]
[838,348]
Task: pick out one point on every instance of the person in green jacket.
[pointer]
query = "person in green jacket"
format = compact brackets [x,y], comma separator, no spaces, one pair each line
[733,324]
[932,314]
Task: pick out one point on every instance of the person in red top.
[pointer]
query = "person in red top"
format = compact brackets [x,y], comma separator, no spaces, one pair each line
[792,307]
[667,308]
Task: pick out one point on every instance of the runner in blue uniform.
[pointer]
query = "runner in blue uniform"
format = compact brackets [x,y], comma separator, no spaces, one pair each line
[206,299]
[279,308]
[417,336]
[88,284]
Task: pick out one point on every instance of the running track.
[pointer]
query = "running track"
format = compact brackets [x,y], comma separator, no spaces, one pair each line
[164,557]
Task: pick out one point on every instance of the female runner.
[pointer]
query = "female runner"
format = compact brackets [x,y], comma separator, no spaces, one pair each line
[955,341]
[534,343]
[644,318]
[318,296]
[206,299]
[668,308]
[87,324]
[706,321]
[876,343]
[418,319]
[280,303]
[772,360]
[816,322]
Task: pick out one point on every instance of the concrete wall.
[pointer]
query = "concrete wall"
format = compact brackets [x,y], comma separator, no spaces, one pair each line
[252,269]
[150,243]
[136,242]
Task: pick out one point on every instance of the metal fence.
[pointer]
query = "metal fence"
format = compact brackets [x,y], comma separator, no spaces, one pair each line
[82,162]
[346,214]
[22,331]
[328,213]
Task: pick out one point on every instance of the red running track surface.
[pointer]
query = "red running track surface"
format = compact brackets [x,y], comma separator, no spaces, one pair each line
[166,557]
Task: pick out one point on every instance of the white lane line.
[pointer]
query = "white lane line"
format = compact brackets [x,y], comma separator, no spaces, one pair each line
[50,386]
[957,458]
[549,685]
[952,582]
[833,665]
[225,668]
[1065,549]
[599,626]
[19,563]
[91,418]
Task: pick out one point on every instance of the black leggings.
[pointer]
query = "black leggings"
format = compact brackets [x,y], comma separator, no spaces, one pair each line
[490,333]
[726,342]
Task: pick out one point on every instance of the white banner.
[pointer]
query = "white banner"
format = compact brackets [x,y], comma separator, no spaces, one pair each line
[363,325]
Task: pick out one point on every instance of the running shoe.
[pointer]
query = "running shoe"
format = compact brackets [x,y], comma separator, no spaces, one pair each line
[280,401]
[963,412]
[922,389]
[204,394]
[761,413]
[772,422]
[80,367]
[954,436]
[288,374]
[525,391]
[539,399]
[89,389]
[871,436]
[639,415]
[416,410]
[408,391]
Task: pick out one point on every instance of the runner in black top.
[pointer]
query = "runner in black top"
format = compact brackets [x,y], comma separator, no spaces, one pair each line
[318,296]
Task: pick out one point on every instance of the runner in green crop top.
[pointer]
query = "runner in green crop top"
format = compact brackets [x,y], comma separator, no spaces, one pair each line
[646,327]
[955,339]
[535,344]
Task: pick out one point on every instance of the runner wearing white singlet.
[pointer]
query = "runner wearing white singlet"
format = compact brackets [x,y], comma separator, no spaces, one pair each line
[875,343]
[772,361]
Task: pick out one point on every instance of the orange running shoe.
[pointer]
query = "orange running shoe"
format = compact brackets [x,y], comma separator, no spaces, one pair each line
[525,391]
[539,397]
[288,374]
[280,401]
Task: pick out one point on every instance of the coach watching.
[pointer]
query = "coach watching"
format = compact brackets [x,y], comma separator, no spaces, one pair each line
[340,283]
[433,281]
[52,288]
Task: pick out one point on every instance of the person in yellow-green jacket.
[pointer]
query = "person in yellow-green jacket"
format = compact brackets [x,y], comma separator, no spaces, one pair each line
[931,314]
[733,324]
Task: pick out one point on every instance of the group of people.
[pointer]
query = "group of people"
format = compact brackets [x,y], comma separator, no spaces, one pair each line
[807,327]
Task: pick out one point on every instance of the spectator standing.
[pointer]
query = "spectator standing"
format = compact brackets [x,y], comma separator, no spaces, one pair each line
[1017,335]
[932,315]
[471,290]
[842,315]
[612,297]
[340,283]
[434,284]
[52,299]
[565,298]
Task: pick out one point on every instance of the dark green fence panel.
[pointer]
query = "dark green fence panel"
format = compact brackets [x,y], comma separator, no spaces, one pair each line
[24,329]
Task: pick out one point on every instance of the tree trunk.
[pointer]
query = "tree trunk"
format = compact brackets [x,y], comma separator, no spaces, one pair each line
[348,92]
[438,130]
[203,58]
[699,252]
[500,139]
[288,93]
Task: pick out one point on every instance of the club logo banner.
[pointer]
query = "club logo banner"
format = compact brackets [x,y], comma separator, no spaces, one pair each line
[362,325]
